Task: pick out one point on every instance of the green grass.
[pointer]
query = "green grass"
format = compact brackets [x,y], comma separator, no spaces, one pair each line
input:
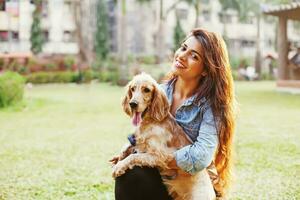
[55,145]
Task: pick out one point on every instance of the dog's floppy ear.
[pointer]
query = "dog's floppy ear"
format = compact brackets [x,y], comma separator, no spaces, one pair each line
[159,107]
[126,99]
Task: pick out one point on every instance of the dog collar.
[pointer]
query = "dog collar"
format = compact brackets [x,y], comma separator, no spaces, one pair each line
[131,139]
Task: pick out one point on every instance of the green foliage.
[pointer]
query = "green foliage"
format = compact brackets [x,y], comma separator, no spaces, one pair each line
[11,88]
[109,76]
[36,37]
[227,4]
[102,34]
[147,59]
[235,62]
[1,64]
[51,77]
[178,35]
[87,76]
[97,65]
[50,66]
[69,61]
[267,76]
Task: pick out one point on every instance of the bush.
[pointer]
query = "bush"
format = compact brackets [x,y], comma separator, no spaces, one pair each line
[50,66]
[11,88]
[236,62]
[148,60]
[51,77]
[109,76]
[87,76]
[69,62]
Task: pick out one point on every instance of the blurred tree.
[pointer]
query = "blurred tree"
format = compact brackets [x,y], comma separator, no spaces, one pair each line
[196,5]
[178,35]
[102,34]
[85,56]
[36,36]
[122,38]
[160,33]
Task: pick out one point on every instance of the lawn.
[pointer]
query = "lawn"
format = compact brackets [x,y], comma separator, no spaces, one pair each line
[55,145]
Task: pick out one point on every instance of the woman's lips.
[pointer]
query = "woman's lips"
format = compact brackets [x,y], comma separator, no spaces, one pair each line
[179,65]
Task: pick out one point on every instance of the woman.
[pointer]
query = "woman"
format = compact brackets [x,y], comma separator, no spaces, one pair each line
[200,91]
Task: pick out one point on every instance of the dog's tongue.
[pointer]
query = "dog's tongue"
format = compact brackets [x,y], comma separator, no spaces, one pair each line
[137,117]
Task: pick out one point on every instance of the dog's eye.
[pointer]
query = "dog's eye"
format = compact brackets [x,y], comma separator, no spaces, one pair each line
[146,90]
[132,89]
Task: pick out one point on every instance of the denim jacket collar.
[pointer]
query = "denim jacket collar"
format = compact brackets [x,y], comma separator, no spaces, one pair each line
[187,102]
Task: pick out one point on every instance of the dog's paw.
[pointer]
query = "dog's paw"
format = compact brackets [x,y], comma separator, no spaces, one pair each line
[114,160]
[118,170]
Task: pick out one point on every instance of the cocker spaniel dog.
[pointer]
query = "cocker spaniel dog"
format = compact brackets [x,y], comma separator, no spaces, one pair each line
[157,137]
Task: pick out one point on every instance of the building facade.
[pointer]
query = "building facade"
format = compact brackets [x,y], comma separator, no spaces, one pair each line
[142,26]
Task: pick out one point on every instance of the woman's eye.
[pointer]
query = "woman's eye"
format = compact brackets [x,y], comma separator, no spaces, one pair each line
[195,57]
[146,90]
[183,48]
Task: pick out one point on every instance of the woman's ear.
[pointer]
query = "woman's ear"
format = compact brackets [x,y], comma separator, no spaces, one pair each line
[126,99]
[159,108]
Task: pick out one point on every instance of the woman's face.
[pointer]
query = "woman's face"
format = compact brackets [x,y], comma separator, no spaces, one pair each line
[187,61]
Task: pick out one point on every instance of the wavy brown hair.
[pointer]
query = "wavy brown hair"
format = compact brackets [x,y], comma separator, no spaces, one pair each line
[217,88]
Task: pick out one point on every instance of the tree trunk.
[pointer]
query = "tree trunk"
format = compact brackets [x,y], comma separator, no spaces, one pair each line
[258,50]
[122,36]
[78,14]
[160,43]
[283,49]
[197,11]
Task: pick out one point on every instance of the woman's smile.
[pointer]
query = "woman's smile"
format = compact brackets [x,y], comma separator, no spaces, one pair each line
[179,65]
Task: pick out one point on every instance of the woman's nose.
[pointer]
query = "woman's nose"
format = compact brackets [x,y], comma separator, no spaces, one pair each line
[181,55]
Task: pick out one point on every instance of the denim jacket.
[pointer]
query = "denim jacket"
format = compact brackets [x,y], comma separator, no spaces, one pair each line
[197,121]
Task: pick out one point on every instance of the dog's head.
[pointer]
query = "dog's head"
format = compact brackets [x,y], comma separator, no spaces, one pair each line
[144,97]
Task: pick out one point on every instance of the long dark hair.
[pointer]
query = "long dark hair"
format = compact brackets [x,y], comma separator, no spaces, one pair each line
[217,88]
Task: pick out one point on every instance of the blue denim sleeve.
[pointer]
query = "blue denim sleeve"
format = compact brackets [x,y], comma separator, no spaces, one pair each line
[197,156]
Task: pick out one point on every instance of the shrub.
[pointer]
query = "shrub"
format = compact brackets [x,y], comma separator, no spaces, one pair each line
[51,77]
[87,76]
[11,88]
[97,65]
[50,66]
[69,62]
[109,76]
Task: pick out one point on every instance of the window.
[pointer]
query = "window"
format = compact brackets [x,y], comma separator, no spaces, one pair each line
[15,35]
[247,43]
[46,35]
[206,15]
[225,18]
[3,35]
[69,36]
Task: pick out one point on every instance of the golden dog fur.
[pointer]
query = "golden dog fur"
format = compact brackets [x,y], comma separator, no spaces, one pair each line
[158,136]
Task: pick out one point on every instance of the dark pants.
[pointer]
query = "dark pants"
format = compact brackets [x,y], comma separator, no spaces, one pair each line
[141,184]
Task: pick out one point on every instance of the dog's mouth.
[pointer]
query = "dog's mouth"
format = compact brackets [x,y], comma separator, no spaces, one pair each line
[138,117]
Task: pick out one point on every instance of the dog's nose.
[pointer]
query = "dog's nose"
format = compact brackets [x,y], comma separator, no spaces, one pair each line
[133,104]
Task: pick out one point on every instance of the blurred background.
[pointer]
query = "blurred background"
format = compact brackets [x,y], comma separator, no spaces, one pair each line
[63,65]
[110,40]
